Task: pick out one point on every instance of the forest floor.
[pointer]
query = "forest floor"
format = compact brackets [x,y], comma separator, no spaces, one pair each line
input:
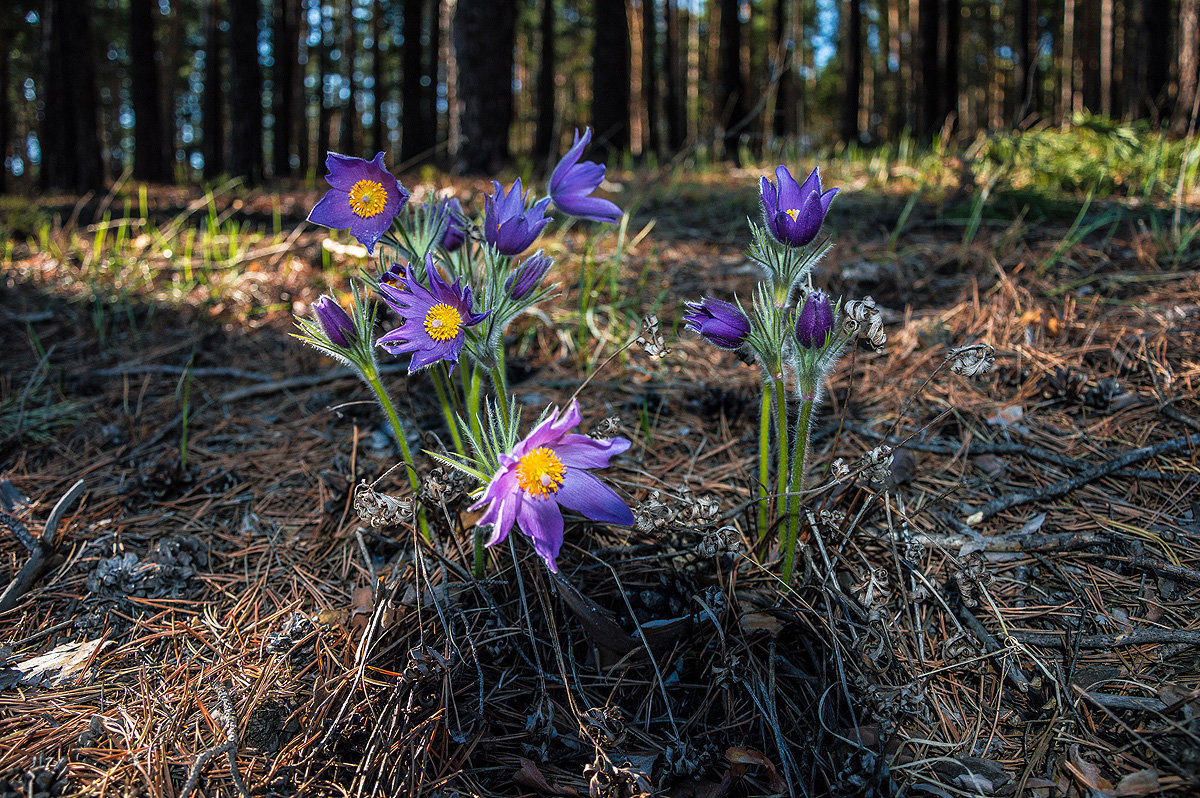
[1014,611]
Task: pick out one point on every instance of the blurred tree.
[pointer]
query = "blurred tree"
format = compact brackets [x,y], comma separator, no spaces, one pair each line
[1186,104]
[676,90]
[483,45]
[418,137]
[852,69]
[732,109]
[149,155]
[611,77]
[245,96]
[543,141]
[69,134]
[285,44]
[214,100]
[650,73]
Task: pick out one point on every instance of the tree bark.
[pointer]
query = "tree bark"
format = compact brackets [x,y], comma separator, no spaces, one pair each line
[149,157]
[214,101]
[543,141]
[69,134]
[1183,120]
[378,94]
[245,95]
[650,73]
[950,33]
[732,108]
[418,125]
[483,42]
[1154,59]
[285,33]
[852,69]
[348,137]
[676,100]
[930,82]
[1026,68]
[324,106]
[5,109]
[611,78]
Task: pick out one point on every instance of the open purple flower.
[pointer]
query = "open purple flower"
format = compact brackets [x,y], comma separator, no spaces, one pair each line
[526,277]
[722,323]
[572,182]
[455,234]
[364,198]
[546,471]
[793,212]
[335,321]
[433,319]
[507,225]
[815,321]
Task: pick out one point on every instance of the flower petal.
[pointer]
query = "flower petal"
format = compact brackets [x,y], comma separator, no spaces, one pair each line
[581,451]
[333,211]
[588,496]
[542,521]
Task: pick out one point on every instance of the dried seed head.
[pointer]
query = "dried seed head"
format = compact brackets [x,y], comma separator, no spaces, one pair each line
[379,509]
[654,515]
[971,361]
[723,540]
[705,510]
[604,726]
[877,464]
[424,665]
[443,487]
[608,427]
[972,578]
[861,317]
[651,339]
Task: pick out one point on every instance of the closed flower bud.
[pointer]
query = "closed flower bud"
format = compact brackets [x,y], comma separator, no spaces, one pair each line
[815,322]
[335,322]
[528,276]
[723,324]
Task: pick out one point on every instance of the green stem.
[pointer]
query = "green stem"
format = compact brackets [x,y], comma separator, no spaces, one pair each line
[799,456]
[439,385]
[764,462]
[473,402]
[781,435]
[385,402]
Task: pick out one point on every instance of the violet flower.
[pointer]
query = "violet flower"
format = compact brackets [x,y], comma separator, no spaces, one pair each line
[455,234]
[335,322]
[433,319]
[545,472]
[572,182]
[814,323]
[507,225]
[364,198]
[526,277]
[793,212]
[722,323]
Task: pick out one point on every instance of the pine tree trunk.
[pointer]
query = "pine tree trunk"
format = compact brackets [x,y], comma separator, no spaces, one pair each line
[1025,74]
[324,107]
[611,78]
[378,94]
[284,45]
[483,45]
[650,73]
[348,138]
[543,141]
[69,134]
[732,108]
[950,32]
[1154,67]
[245,92]
[676,101]
[930,82]
[5,110]
[214,100]
[852,69]
[149,159]
[1184,119]
[418,124]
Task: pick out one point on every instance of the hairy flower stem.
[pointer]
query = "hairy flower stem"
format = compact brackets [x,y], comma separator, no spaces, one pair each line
[500,382]
[473,392]
[440,385]
[799,456]
[764,462]
[781,435]
[385,401]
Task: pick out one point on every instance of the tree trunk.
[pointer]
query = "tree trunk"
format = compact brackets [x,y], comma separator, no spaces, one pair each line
[1154,67]
[611,78]
[5,109]
[324,107]
[931,92]
[483,42]
[418,125]
[543,141]
[69,133]
[1025,74]
[732,109]
[1106,63]
[950,32]
[378,141]
[149,158]
[214,101]
[285,34]
[676,101]
[1184,119]
[852,69]
[650,73]
[245,95]
[348,137]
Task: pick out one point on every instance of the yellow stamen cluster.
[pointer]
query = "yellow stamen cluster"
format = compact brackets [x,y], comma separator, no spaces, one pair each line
[540,472]
[443,322]
[367,198]
[792,212]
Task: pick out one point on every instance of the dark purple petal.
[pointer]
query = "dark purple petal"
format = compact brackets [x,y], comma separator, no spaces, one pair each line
[815,321]
[582,451]
[335,321]
[827,198]
[790,195]
[333,211]
[572,182]
[591,498]
[542,521]
[346,170]
[526,277]
[722,323]
[594,209]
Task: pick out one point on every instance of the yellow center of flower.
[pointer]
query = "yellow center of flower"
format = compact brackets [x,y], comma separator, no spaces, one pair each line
[442,322]
[367,198]
[540,472]
[792,212]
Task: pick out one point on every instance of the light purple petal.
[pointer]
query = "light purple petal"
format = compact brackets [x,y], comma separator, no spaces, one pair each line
[502,512]
[542,521]
[770,197]
[827,198]
[790,195]
[812,184]
[588,496]
[596,209]
[346,170]
[333,211]
[580,451]
[563,169]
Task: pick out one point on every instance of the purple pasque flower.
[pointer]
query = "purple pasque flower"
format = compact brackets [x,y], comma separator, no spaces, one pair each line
[455,234]
[335,321]
[433,319]
[814,323]
[507,224]
[722,323]
[547,471]
[526,277]
[364,197]
[572,182]
[793,212]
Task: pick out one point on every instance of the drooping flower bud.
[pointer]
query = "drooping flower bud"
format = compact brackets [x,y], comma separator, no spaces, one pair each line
[335,322]
[722,323]
[528,276]
[455,234]
[815,321]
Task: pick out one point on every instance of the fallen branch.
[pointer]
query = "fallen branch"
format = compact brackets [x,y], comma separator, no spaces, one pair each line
[1066,640]
[1175,572]
[229,748]
[44,549]
[1095,472]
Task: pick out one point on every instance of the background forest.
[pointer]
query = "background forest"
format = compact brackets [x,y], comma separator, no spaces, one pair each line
[180,90]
